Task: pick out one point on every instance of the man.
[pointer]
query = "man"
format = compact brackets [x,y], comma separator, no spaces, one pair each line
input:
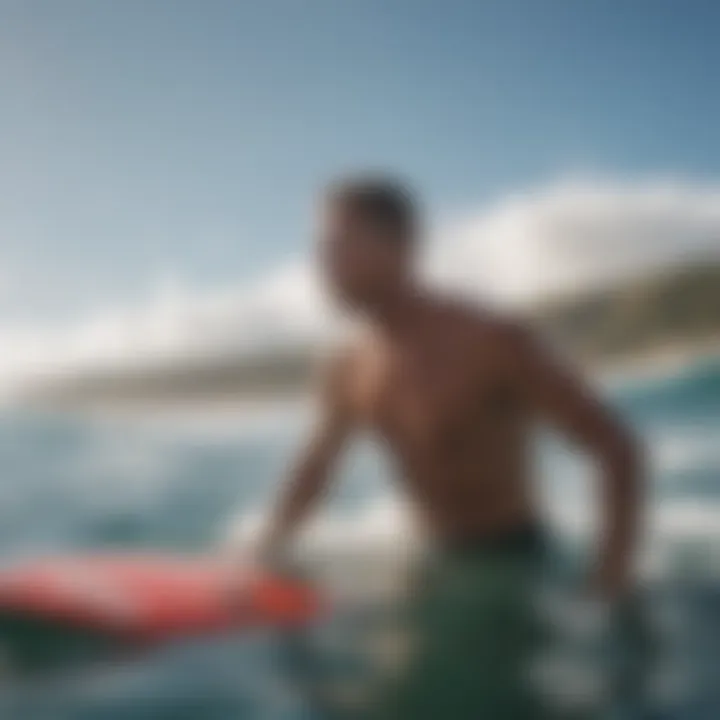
[454,393]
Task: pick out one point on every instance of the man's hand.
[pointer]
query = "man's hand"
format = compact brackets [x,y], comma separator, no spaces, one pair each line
[242,576]
[610,583]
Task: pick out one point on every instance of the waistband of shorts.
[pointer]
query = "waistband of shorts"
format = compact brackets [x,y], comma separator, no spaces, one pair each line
[526,537]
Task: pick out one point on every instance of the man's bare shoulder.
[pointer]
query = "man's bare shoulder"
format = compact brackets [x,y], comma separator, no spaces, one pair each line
[482,326]
[340,363]
[337,363]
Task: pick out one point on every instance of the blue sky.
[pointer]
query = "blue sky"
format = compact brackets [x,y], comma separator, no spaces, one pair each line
[144,137]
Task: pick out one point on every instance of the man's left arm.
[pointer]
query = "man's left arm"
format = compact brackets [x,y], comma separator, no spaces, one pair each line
[565,401]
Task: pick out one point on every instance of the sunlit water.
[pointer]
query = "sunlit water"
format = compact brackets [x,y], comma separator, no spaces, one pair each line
[189,481]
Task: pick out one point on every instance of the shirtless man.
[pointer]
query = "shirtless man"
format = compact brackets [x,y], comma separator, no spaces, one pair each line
[454,393]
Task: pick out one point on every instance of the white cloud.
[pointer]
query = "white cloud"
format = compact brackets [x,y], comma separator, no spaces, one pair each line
[574,235]
[560,238]
[176,325]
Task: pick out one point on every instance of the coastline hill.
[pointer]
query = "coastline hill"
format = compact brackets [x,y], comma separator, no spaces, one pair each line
[675,310]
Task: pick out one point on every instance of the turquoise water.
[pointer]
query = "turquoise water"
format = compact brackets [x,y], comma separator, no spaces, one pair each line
[76,484]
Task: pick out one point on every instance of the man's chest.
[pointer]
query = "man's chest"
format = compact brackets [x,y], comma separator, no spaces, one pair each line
[420,393]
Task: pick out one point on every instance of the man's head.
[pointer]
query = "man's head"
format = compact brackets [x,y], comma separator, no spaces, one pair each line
[368,236]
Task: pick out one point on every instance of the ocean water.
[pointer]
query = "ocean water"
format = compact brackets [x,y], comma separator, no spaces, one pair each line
[195,480]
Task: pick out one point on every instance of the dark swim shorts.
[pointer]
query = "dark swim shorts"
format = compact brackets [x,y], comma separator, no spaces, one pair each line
[471,631]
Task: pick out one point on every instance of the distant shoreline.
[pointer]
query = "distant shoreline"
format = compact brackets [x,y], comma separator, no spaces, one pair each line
[657,363]
[641,328]
[239,402]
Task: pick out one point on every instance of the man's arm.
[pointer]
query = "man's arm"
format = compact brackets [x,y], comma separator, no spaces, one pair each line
[568,404]
[312,471]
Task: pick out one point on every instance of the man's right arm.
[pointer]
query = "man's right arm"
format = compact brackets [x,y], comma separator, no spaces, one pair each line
[313,470]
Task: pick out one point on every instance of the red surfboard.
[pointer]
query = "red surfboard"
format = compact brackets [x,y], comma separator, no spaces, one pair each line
[49,607]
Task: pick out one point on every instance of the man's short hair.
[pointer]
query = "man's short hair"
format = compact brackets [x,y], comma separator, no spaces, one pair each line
[384,200]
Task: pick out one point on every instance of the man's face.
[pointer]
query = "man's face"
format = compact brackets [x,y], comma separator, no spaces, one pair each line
[361,262]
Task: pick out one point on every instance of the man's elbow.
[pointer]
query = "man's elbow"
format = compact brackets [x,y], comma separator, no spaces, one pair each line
[625,454]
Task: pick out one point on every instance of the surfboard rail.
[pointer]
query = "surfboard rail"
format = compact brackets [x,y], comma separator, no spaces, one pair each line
[151,598]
